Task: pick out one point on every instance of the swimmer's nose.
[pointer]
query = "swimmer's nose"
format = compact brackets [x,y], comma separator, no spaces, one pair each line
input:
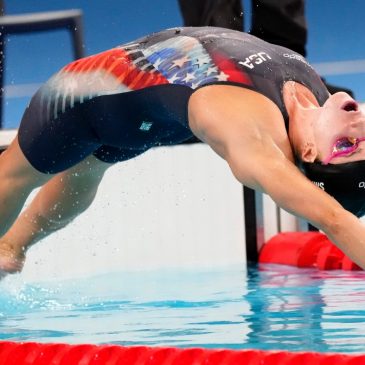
[350,106]
[344,102]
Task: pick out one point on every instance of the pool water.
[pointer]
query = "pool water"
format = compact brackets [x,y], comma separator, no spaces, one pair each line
[268,308]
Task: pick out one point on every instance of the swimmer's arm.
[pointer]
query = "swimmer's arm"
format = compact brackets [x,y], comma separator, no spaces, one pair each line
[292,191]
[257,162]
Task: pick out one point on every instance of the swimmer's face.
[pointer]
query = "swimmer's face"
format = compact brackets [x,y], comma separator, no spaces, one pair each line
[341,117]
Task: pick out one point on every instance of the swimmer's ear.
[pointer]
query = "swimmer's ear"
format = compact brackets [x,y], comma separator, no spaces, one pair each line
[309,153]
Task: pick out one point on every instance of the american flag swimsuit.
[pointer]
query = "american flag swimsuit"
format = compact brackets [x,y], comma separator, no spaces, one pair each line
[121,102]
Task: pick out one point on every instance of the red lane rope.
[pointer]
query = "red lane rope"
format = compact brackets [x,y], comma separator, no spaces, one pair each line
[32,353]
[305,249]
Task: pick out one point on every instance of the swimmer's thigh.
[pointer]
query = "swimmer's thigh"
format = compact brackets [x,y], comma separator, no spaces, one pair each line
[17,171]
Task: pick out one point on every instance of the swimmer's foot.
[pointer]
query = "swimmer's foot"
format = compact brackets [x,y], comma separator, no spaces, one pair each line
[11,259]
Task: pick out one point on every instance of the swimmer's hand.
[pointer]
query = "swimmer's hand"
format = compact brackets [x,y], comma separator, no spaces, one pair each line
[11,261]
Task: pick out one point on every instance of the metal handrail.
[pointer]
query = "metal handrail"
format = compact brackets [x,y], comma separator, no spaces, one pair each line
[70,20]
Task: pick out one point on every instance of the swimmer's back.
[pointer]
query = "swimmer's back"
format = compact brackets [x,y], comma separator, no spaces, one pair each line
[121,102]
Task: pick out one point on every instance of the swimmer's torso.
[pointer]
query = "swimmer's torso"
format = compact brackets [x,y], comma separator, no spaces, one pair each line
[135,96]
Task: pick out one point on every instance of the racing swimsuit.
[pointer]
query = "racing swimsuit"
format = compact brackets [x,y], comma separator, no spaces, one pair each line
[121,102]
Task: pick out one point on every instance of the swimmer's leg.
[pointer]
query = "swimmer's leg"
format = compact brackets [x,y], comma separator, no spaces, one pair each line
[57,203]
[17,179]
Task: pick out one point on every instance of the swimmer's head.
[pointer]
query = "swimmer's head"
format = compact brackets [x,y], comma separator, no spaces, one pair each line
[330,147]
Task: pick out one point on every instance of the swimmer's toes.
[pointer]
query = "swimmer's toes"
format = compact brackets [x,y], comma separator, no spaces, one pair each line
[10,264]
[13,267]
[3,274]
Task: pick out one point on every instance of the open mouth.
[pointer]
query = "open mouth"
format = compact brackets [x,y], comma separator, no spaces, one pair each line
[350,106]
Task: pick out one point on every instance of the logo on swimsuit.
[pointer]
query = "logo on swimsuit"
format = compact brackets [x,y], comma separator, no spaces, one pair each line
[362,184]
[320,184]
[255,59]
[294,56]
[145,126]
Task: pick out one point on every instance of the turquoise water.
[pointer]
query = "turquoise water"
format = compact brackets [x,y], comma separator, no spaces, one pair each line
[269,308]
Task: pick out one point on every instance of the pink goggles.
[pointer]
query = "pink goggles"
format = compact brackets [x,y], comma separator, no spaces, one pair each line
[343,147]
